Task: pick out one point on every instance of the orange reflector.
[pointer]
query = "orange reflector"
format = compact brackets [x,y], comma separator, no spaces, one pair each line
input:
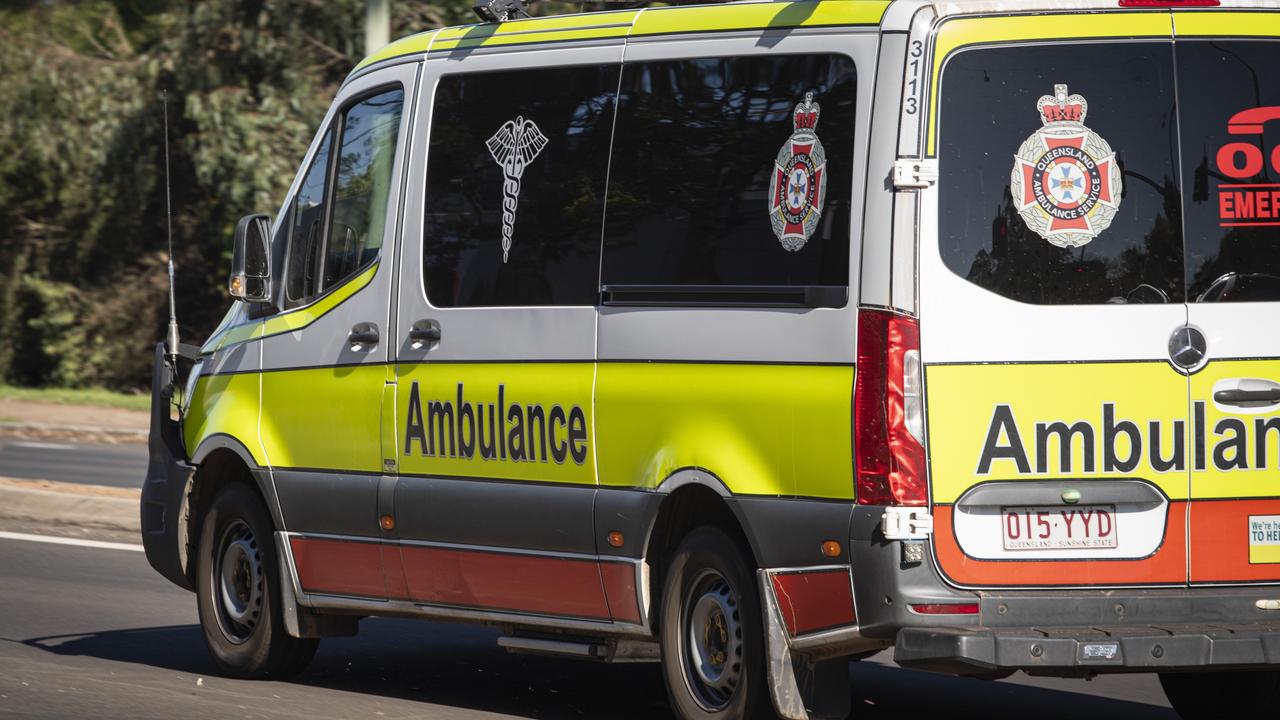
[387,522]
[831,549]
[616,539]
[945,608]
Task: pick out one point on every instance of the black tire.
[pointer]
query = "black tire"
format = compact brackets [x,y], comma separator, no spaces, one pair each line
[710,583]
[245,634]
[1222,694]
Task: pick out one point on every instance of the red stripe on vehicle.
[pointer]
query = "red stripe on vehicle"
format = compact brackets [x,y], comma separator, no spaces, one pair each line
[393,572]
[619,581]
[1166,566]
[1220,541]
[502,581]
[812,601]
[339,567]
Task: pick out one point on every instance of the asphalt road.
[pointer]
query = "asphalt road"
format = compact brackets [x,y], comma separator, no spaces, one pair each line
[122,465]
[94,633]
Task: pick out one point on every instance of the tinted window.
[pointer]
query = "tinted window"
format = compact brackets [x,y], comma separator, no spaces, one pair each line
[1231,179]
[1098,245]
[307,227]
[370,131]
[700,146]
[515,186]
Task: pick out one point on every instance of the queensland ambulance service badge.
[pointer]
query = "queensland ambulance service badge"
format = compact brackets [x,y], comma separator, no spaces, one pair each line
[1065,182]
[799,182]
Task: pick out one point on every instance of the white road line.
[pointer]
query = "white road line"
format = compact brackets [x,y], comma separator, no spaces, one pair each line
[70,541]
[42,445]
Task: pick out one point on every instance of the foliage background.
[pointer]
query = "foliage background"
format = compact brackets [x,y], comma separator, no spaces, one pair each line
[82,221]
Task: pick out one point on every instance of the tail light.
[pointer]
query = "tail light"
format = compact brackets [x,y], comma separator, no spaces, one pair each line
[888,411]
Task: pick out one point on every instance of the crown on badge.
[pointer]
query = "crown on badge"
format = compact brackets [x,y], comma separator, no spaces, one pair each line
[806,115]
[1061,107]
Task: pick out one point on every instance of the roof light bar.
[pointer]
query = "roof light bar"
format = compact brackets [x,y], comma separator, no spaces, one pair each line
[1168,3]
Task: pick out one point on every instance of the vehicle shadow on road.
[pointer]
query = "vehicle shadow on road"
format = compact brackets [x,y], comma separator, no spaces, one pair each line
[461,666]
[176,647]
[883,691]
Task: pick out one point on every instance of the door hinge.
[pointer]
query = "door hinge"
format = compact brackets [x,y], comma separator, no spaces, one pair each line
[914,173]
[906,523]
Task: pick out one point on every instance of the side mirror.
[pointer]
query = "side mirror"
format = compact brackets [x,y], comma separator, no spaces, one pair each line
[251,260]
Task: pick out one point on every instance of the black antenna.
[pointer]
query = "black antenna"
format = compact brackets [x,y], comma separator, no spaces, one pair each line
[171,339]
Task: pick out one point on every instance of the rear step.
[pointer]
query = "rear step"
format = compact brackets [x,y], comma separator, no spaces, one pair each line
[1066,651]
[611,651]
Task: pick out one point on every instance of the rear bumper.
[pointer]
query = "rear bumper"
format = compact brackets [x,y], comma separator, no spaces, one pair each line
[1055,631]
[1087,650]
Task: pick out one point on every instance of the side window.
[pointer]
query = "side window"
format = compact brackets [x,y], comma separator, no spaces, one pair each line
[1058,173]
[337,228]
[515,186]
[1231,169]
[362,185]
[732,172]
[307,224]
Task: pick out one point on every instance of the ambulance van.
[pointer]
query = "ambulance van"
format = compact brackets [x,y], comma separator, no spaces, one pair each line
[756,337]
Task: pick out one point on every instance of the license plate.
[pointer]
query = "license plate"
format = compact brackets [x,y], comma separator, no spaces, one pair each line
[1078,527]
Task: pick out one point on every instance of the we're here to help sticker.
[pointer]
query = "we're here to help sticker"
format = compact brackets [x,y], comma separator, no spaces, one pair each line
[1264,539]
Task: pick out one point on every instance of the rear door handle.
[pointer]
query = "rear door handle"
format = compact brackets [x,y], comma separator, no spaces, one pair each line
[1248,395]
[424,333]
[1241,397]
[363,336]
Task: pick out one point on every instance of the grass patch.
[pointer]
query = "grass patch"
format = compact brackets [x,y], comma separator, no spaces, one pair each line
[73,396]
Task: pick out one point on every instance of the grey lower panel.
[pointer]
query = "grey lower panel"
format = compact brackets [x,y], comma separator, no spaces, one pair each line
[783,532]
[630,512]
[1084,650]
[789,532]
[328,502]
[473,511]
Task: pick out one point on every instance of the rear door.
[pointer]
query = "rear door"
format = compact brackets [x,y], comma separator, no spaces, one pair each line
[1057,425]
[1230,64]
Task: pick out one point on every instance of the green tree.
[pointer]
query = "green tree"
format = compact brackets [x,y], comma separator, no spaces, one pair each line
[82,221]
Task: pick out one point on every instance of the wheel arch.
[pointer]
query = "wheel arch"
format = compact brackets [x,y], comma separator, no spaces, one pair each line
[220,460]
[692,497]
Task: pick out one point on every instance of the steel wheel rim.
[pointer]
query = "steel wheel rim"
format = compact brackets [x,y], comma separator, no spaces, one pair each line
[711,632]
[238,582]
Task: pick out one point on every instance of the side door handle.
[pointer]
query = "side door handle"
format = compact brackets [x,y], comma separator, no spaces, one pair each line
[424,333]
[363,336]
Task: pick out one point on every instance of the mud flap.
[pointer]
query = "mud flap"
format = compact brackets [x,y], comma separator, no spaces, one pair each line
[802,689]
[301,622]
[164,491]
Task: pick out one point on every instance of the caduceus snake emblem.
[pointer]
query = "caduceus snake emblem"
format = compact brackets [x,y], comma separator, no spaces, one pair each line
[514,146]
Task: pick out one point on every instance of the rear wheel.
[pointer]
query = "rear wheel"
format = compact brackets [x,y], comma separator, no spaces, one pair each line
[238,591]
[712,633]
[1222,694]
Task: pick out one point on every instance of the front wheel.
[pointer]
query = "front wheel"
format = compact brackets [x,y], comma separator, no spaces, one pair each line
[1222,694]
[238,591]
[712,631]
